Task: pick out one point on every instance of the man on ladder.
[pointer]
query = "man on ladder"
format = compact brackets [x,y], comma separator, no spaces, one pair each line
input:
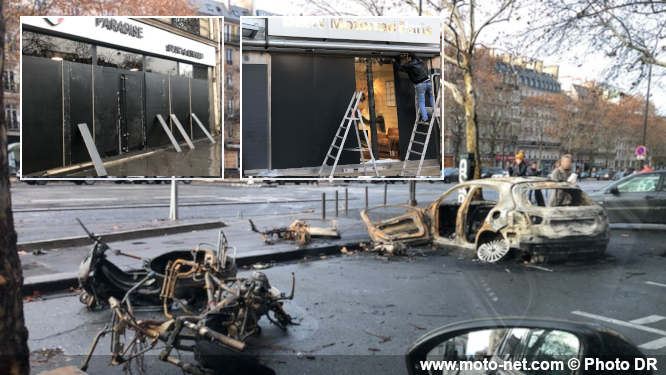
[416,71]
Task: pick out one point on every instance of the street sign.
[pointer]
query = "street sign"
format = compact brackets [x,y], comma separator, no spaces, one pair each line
[640,151]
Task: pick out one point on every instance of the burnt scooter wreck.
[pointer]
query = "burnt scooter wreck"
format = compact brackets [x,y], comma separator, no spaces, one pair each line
[213,328]
[100,279]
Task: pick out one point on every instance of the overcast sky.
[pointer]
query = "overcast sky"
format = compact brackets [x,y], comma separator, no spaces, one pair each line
[591,69]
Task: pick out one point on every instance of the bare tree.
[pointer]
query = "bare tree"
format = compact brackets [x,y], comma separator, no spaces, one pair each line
[463,26]
[630,33]
[369,7]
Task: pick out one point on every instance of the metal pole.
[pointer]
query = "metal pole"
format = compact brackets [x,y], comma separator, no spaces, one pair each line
[366,197]
[323,205]
[647,106]
[173,209]
[420,7]
[371,109]
[412,193]
[336,203]
[385,190]
[346,202]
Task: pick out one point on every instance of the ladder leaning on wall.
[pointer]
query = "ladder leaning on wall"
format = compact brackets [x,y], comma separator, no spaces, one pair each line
[419,128]
[352,117]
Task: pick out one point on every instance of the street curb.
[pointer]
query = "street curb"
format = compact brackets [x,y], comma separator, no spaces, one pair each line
[638,227]
[56,243]
[47,283]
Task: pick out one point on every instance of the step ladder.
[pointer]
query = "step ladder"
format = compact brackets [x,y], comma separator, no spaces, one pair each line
[419,128]
[352,117]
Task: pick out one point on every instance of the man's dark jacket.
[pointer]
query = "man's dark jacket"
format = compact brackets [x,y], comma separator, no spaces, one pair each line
[414,69]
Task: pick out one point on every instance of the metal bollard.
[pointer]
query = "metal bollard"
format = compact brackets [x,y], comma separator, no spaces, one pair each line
[323,205]
[366,197]
[336,203]
[385,192]
[346,202]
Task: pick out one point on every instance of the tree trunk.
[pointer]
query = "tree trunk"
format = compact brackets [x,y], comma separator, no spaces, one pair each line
[13,334]
[472,131]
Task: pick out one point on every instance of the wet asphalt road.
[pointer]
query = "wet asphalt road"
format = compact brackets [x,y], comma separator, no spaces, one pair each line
[343,302]
[50,211]
[340,299]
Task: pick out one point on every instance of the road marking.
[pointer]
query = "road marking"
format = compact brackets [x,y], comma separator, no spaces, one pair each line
[73,200]
[654,345]
[620,322]
[648,319]
[656,284]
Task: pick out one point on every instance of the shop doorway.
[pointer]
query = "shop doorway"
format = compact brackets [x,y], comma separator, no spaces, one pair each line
[381,103]
[122,119]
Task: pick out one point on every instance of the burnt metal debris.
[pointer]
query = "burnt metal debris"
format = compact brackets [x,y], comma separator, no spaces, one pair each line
[217,310]
[497,217]
[301,231]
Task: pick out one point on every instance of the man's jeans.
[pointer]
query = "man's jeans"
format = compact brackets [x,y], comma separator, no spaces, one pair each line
[421,89]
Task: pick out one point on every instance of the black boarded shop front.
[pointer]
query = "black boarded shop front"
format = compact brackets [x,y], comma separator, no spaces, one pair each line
[42,116]
[51,138]
[309,96]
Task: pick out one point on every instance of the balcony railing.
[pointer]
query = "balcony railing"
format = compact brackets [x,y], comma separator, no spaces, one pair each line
[191,25]
[233,38]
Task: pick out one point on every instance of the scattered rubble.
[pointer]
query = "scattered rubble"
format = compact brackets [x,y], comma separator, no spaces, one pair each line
[301,231]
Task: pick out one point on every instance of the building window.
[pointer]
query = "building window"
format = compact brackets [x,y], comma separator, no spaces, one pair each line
[390,93]
[200,72]
[40,45]
[115,58]
[9,80]
[191,25]
[185,70]
[230,104]
[230,56]
[11,117]
[209,7]
[163,66]
[230,81]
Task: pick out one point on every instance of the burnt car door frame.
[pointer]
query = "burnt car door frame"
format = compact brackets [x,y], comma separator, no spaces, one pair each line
[460,239]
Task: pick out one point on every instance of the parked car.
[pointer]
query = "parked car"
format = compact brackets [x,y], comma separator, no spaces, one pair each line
[638,198]
[450,175]
[583,175]
[606,174]
[537,218]
[488,172]
[619,175]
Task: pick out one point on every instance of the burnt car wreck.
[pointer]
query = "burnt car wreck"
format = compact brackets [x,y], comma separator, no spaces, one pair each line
[537,218]
[301,231]
[207,308]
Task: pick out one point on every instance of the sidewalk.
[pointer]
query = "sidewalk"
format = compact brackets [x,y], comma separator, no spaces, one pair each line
[202,161]
[58,269]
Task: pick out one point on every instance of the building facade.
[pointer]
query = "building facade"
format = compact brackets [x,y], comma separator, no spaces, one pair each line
[299,74]
[229,85]
[116,75]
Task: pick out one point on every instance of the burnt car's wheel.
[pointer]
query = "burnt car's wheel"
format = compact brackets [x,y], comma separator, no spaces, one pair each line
[447,180]
[493,250]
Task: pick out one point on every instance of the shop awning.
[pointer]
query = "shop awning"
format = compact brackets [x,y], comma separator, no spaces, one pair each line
[277,44]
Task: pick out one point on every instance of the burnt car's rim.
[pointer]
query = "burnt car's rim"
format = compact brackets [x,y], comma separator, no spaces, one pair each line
[493,251]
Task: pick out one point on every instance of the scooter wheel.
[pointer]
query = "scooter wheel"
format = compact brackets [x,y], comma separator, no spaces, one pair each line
[83,297]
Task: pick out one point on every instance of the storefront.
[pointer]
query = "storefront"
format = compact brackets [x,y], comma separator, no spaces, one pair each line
[298,77]
[115,75]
